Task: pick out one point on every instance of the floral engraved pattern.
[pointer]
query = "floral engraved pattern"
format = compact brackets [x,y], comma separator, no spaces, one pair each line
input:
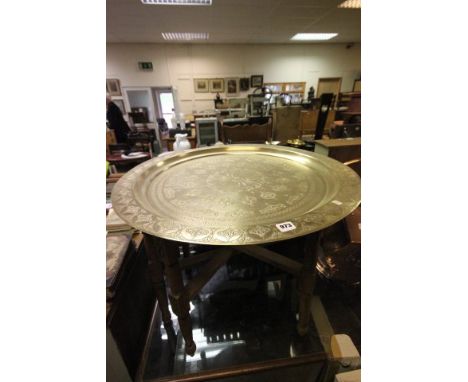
[259,230]
[236,194]
[267,195]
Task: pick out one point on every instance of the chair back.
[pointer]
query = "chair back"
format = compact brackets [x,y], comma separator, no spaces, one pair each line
[254,133]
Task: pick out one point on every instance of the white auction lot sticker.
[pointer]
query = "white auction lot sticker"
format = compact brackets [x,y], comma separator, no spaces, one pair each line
[286,226]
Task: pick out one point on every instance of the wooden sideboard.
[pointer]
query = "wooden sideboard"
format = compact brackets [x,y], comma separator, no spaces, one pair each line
[342,150]
[286,121]
[308,121]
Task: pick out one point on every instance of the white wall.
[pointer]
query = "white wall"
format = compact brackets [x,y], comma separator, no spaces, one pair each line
[177,65]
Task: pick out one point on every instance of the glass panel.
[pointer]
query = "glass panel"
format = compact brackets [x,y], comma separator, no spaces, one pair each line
[238,320]
[166,101]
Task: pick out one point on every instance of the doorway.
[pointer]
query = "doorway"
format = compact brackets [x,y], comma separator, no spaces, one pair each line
[329,85]
[164,100]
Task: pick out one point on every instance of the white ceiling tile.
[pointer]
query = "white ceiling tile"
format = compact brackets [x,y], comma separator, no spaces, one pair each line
[231,21]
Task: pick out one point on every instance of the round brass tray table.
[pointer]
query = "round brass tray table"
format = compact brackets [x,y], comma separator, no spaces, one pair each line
[236,197]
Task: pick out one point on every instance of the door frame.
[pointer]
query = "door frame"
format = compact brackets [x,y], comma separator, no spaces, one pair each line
[148,89]
[331,78]
[156,90]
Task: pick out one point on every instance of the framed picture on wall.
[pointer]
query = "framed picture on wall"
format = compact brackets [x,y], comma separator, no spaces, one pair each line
[113,87]
[217,85]
[200,85]
[244,84]
[256,81]
[232,87]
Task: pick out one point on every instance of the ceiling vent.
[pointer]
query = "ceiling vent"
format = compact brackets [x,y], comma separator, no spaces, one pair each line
[350,4]
[177,2]
[179,36]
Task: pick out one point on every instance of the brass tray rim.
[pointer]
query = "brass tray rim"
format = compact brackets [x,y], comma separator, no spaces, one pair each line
[125,183]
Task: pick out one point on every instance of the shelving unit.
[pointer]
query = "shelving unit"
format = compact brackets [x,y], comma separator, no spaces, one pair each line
[286,87]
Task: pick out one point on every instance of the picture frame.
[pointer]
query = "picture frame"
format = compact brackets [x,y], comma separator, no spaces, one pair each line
[113,87]
[121,105]
[201,85]
[244,84]
[217,85]
[232,87]
[256,80]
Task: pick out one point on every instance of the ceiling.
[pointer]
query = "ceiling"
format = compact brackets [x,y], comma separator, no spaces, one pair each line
[233,21]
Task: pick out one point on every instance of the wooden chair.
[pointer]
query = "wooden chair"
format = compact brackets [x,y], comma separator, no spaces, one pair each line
[247,133]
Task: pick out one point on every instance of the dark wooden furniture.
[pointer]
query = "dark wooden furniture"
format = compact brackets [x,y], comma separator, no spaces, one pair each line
[341,256]
[349,106]
[246,133]
[125,164]
[129,314]
[163,259]
[342,150]
[339,129]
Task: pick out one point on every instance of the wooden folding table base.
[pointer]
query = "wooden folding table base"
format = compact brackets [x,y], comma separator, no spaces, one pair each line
[163,258]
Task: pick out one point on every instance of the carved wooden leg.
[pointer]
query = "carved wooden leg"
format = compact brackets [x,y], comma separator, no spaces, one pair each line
[178,293]
[156,272]
[306,282]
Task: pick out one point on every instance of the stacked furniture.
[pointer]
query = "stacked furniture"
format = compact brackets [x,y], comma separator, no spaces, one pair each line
[286,123]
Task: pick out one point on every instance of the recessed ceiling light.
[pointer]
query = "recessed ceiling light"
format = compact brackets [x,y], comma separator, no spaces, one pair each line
[177,36]
[177,2]
[313,36]
[350,4]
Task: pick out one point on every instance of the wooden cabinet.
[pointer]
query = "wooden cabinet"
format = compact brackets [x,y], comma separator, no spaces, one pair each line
[308,122]
[342,150]
[286,121]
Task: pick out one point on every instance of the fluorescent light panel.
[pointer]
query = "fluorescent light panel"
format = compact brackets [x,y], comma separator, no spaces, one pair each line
[178,36]
[313,36]
[177,2]
[350,4]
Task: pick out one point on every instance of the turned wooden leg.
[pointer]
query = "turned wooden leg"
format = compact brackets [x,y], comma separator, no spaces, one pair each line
[306,282]
[155,264]
[178,293]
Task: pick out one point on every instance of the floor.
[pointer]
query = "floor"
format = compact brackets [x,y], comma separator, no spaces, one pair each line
[246,314]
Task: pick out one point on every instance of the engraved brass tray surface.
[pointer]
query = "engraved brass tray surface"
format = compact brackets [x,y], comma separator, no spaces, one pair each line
[236,194]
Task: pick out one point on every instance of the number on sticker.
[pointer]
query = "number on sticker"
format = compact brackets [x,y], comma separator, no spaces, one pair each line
[285,226]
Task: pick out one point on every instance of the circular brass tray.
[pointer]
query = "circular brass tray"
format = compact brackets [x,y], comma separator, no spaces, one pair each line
[236,194]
